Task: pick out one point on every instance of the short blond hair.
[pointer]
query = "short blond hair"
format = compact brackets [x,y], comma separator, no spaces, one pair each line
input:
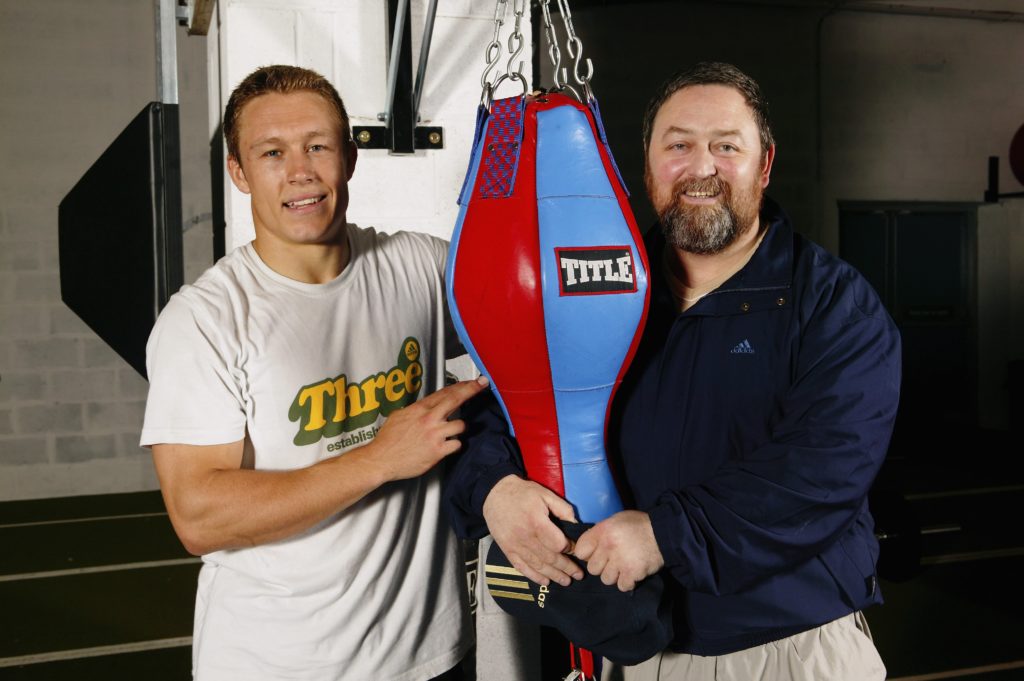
[281,79]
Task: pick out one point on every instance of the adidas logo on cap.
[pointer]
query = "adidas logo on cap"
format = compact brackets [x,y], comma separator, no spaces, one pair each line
[625,627]
[501,586]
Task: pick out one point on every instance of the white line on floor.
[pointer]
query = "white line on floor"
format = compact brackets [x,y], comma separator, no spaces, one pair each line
[972,555]
[61,655]
[964,492]
[97,568]
[66,521]
[970,671]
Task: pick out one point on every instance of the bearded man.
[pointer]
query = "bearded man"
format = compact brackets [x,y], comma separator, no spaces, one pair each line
[749,428]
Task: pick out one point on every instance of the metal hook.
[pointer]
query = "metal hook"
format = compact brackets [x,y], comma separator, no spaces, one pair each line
[556,59]
[491,55]
[566,87]
[486,97]
[575,48]
[577,54]
[516,38]
[554,53]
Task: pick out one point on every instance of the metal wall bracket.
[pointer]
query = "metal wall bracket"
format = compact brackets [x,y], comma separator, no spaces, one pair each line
[377,137]
[400,135]
[992,194]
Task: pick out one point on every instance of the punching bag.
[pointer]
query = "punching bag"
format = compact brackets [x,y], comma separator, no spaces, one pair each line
[547,285]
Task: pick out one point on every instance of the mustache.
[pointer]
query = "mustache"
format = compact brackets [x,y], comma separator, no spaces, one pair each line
[711,184]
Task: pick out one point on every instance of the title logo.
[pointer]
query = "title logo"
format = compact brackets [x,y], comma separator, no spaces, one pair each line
[333,406]
[591,270]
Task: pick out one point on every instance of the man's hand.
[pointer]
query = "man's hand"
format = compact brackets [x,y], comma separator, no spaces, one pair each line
[621,549]
[416,437]
[518,513]
[216,504]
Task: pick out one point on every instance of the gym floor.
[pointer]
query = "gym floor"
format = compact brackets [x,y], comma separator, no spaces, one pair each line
[100,588]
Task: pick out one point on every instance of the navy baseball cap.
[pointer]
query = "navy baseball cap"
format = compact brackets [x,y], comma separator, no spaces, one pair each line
[625,627]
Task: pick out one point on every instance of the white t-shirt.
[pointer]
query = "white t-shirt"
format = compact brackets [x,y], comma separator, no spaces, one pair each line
[377,591]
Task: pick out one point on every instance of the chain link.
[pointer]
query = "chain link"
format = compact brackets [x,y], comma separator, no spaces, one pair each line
[492,53]
[554,53]
[516,43]
[575,48]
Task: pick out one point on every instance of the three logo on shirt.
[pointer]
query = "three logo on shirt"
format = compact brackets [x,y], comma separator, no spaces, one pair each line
[333,406]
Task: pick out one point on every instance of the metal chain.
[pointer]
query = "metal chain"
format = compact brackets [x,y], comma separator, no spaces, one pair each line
[493,51]
[575,48]
[516,43]
[554,53]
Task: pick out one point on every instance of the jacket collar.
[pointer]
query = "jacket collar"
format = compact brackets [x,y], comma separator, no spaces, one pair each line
[770,268]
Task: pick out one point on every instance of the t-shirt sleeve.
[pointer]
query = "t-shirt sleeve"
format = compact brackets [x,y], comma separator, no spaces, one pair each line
[194,395]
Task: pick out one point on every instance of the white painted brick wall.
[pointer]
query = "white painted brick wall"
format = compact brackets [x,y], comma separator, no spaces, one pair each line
[347,42]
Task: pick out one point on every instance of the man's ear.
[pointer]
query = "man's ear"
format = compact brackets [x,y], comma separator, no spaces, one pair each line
[351,155]
[237,175]
[766,171]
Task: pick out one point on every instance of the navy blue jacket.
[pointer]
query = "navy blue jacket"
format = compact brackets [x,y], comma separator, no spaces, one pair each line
[750,428]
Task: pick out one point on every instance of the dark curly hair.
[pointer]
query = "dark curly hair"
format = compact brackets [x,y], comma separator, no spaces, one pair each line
[712,73]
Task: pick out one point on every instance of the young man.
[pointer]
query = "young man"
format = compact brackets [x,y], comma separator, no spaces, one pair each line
[296,414]
[750,427]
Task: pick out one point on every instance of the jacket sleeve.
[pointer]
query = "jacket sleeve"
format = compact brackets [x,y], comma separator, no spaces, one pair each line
[787,501]
[489,454]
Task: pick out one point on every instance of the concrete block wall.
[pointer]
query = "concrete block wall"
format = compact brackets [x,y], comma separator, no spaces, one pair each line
[73,75]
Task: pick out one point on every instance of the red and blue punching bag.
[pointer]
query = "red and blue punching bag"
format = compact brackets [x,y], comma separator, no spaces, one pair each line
[547,285]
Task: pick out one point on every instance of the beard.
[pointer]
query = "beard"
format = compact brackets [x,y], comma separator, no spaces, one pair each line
[709,229]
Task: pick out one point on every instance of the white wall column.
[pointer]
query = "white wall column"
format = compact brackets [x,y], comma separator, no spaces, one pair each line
[347,42]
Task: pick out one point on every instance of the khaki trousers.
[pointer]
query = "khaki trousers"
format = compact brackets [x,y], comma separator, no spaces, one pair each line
[838,651]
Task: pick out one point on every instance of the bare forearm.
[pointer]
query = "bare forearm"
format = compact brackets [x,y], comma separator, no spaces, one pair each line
[235,508]
[214,504]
